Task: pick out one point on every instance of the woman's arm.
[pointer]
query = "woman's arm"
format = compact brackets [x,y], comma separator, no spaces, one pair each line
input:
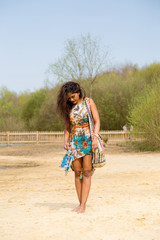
[66,136]
[96,119]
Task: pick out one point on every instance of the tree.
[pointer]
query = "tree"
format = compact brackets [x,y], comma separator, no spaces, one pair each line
[31,108]
[9,111]
[145,116]
[83,59]
[48,119]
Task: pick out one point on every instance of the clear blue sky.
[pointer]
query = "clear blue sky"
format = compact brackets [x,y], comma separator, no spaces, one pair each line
[33,33]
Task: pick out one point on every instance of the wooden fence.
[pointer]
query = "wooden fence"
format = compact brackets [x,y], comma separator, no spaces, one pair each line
[39,137]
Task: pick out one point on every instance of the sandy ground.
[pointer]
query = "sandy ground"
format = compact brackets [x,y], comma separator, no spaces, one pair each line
[36,198]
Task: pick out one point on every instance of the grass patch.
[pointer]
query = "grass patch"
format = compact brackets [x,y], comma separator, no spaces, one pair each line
[140,146]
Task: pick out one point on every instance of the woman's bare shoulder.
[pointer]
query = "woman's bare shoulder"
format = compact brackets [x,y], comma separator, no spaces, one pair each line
[90,100]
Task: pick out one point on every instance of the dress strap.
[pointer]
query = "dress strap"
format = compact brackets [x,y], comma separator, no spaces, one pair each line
[88,100]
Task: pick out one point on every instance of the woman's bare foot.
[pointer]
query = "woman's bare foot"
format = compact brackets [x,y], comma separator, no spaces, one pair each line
[76,209]
[81,209]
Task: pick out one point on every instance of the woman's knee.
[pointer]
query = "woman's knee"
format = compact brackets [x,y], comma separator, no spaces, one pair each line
[87,173]
[77,172]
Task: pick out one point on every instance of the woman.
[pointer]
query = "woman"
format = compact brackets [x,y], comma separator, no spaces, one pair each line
[77,137]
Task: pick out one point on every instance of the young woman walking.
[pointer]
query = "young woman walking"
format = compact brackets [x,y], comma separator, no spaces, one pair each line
[77,137]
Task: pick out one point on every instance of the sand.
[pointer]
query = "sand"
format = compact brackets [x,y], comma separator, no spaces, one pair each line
[36,198]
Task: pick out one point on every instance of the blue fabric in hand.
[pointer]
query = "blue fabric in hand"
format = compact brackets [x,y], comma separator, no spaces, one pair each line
[66,162]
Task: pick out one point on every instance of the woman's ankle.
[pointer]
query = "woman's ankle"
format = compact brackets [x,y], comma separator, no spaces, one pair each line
[83,205]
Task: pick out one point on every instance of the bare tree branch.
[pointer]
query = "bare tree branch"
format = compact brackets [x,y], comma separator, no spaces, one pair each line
[83,59]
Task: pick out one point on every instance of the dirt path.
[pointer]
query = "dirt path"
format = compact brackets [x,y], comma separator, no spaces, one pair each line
[36,198]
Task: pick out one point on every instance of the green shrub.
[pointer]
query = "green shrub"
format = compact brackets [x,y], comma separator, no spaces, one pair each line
[145,117]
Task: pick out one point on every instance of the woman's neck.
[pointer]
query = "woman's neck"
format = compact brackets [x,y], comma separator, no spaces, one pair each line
[81,100]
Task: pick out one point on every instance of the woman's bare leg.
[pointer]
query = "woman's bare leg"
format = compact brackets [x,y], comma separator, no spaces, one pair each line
[77,166]
[86,183]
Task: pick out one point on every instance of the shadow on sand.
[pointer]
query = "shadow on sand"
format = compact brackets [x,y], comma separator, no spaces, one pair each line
[55,206]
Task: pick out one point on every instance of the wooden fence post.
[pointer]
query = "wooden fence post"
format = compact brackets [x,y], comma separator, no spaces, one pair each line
[37,137]
[7,138]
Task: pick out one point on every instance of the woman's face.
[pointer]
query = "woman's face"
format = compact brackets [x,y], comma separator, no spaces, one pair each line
[73,97]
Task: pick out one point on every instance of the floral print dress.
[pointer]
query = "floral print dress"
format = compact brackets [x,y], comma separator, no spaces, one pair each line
[80,138]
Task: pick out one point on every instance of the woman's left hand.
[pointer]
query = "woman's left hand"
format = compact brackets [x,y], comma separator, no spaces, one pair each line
[94,144]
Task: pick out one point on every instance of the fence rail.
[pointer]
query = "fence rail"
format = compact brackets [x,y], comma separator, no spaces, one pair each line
[39,137]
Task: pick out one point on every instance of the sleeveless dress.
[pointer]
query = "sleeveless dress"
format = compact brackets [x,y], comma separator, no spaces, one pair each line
[80,142]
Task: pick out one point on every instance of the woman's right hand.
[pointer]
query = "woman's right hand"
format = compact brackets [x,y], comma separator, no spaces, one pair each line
[66,146]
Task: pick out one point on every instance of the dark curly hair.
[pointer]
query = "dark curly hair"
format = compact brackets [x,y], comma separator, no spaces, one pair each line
[64,106]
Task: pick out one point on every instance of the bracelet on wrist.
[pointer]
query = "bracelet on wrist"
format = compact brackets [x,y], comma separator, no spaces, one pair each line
[95,135]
